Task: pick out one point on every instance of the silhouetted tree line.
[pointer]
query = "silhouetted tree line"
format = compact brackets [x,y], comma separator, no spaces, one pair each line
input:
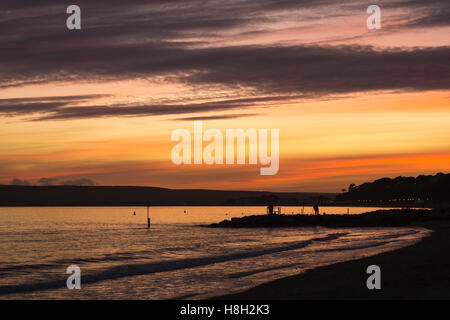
[421,189]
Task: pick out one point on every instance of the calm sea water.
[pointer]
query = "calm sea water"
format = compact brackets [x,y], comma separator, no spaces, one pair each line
[177,258]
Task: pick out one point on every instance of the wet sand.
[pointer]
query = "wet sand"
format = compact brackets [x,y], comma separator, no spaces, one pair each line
[420,271]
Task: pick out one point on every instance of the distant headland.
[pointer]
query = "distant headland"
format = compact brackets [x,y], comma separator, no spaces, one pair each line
[142,196]
[403,192]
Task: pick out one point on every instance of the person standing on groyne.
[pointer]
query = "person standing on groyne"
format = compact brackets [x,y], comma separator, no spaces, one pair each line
[316,209]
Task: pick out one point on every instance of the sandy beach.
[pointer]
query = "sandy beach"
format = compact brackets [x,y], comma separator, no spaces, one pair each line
[419,271]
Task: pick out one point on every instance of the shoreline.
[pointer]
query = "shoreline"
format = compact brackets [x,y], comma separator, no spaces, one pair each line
[419,271]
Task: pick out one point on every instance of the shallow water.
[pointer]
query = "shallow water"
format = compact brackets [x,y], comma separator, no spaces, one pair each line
[177,258]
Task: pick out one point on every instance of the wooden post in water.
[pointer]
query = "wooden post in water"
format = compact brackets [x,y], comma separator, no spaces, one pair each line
[148,217]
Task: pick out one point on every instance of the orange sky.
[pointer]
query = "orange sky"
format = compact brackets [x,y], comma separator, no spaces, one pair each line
[360,125]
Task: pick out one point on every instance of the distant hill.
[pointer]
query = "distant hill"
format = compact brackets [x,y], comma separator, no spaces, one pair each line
[140,196]
[435,189]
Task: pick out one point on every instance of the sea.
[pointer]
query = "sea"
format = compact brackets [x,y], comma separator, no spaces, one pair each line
[179,257]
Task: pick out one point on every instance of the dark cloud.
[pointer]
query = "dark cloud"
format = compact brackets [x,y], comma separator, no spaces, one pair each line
[19,182]
[62,109]
[218,117]
[54,181]
[273,74]
[47,181]
[436,18]
[23,106]
[96,111]
[140,40]
[324,70]
[107,21]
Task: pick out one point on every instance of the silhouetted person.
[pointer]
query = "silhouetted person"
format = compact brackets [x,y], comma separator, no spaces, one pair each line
[134,213]
[316,209]
[270,208]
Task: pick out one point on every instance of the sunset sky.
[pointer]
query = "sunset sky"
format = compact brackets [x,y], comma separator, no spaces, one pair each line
[99,104]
